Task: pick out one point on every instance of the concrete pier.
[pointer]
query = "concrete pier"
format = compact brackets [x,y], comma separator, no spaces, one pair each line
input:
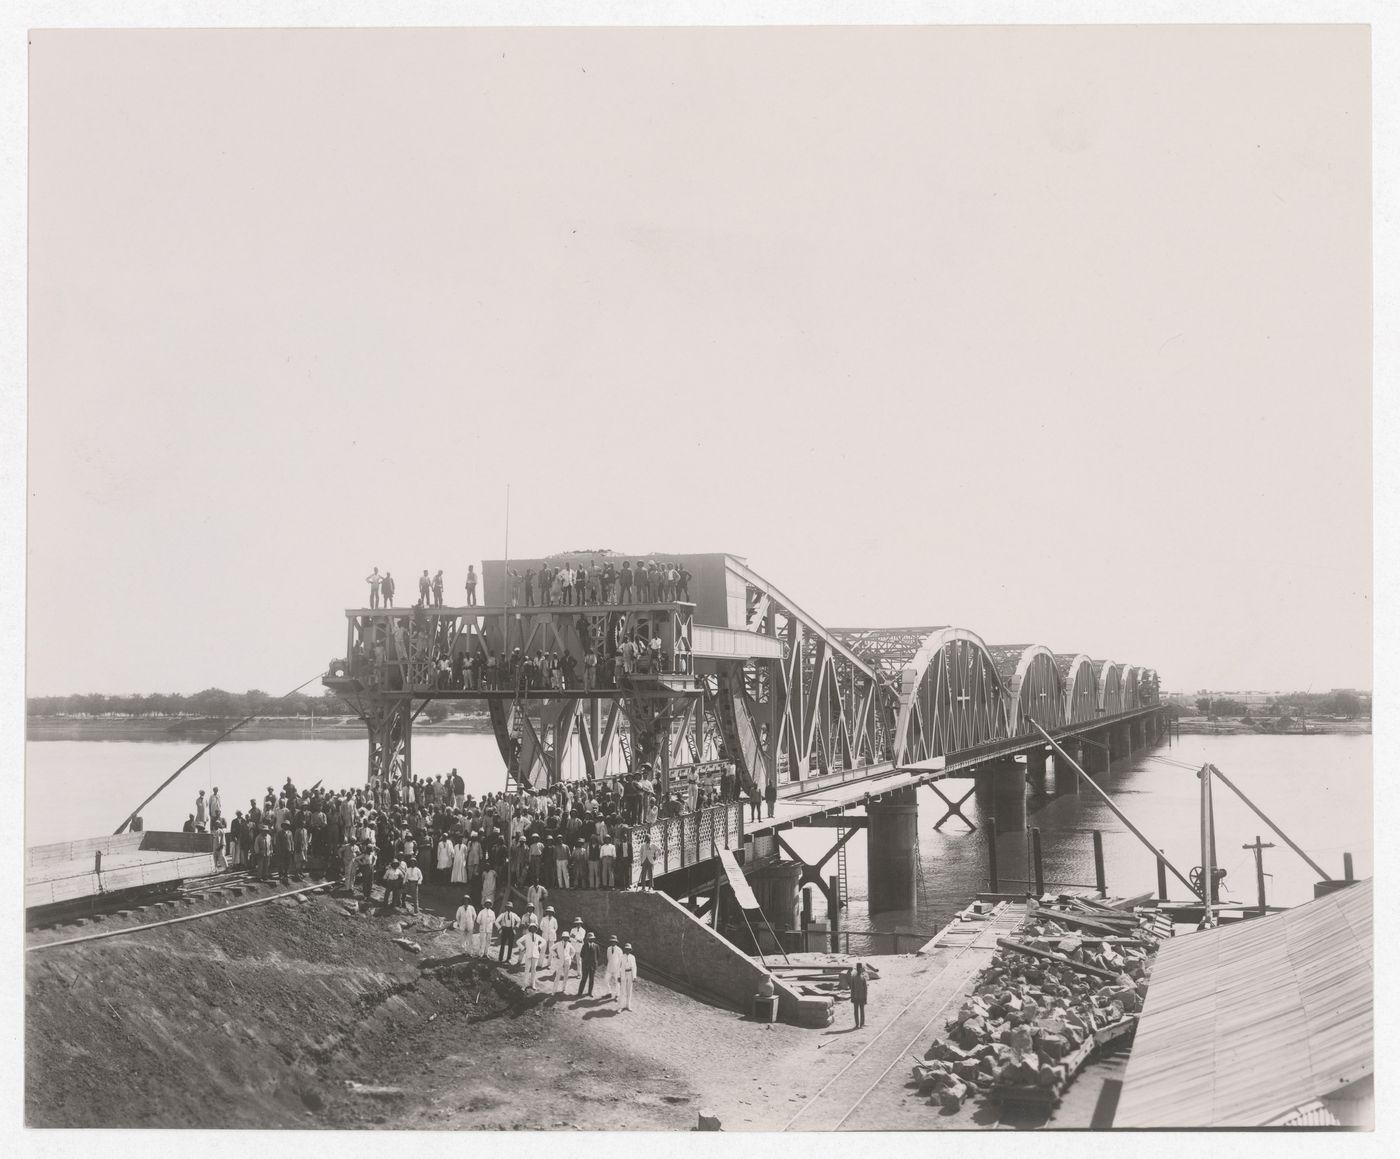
[1037,762]
[1009,796]
[891,849]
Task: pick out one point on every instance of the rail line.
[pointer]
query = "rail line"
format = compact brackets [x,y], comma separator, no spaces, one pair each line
[943,975]
[222,909]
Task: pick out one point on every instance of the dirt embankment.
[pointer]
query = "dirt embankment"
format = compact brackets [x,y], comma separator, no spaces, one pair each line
[296,1014]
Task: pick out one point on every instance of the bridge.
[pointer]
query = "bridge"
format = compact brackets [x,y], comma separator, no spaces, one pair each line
[734,675]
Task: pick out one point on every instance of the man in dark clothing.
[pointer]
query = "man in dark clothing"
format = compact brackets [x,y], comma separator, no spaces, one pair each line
[771,794]
[588,964]
[860,989]
[286,846]
[386,587]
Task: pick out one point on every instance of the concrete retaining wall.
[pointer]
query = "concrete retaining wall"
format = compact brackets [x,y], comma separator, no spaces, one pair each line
[665,934]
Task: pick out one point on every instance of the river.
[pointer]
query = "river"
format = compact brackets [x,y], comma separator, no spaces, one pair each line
[1317,788]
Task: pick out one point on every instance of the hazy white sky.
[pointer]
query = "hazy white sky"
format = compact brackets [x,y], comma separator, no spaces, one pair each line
[1061,335]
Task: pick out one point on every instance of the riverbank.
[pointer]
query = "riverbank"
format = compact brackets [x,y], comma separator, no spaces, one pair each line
[1265,726]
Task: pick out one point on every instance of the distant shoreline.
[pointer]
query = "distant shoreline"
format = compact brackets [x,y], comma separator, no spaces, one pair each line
[201,730]
[1199,725]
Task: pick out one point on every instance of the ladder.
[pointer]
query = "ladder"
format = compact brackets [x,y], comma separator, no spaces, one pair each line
[842,892]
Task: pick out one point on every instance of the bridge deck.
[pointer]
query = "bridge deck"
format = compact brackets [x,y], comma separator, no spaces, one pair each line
[838,792]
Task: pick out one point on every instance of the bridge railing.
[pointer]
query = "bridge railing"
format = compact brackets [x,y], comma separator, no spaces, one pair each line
[692,837]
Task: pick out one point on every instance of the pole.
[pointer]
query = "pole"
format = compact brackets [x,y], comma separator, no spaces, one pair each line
[1161,877]
[1117,812]
[1207,847]
[1039,866]
[834,906]
[1259,846]
[1347,873]
[1100,876]
[995,885]
[1321,873]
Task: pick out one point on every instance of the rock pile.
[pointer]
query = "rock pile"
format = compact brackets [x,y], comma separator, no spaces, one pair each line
[1035,1010]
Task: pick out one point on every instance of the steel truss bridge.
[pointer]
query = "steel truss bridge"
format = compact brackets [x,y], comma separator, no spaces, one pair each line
[745,676]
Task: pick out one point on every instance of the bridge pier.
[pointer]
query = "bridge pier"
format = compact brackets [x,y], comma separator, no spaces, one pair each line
[892,847]
[775,888]
[1097,754]
[1007,794]
[1036,766]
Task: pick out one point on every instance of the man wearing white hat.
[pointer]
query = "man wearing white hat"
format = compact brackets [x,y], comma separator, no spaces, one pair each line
[549,929]
[531,946]
[485,927]
[466,923]
[613,969]
[562,960]
[629,976]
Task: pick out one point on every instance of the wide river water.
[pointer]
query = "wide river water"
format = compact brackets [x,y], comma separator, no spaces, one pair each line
[1317,788]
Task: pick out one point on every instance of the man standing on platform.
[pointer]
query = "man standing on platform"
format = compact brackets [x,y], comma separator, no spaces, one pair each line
[386,586]
[437,589]
[771,794]
[425,588]
[374,579]
[650,853]
[471,584]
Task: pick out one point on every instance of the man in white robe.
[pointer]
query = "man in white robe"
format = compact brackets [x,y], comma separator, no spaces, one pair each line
[466,924]
[536,896]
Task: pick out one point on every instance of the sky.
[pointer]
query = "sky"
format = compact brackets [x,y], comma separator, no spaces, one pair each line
[1062,335]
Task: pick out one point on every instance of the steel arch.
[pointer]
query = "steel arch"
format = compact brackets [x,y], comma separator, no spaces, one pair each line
[1109,674]
[1081,687]
[950,697]
[1034,687]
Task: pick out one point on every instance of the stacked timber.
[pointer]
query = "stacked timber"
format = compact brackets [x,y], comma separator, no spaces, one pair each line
[1070,981]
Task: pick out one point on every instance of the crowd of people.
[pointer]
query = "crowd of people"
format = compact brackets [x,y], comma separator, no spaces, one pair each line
[565,584]
[642,581]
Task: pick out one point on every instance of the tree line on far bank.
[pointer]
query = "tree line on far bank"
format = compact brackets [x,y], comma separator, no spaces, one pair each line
[211,702]
[1342,702]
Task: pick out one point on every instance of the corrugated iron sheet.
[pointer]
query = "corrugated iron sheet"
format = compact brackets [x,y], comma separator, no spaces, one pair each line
[1245,1024]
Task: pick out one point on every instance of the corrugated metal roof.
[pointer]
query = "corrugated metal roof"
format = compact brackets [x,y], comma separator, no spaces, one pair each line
[1246,1023]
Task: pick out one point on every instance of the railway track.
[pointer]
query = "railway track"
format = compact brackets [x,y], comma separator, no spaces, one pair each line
[128,909]
[841,1099]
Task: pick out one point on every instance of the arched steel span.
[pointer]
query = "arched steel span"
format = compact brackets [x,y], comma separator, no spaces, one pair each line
[1034,687]
[1080,684]
[950,697]
[1109,674]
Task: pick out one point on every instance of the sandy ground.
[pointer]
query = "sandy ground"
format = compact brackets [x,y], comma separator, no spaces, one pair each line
[296,1014]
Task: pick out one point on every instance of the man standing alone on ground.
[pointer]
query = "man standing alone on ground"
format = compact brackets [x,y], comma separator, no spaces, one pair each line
[860,989]
[629,976]
[588,965]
